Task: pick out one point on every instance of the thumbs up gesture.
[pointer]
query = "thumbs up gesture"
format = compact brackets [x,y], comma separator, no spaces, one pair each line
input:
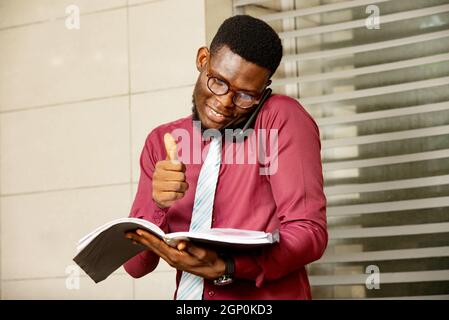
[170,147]
[169,180]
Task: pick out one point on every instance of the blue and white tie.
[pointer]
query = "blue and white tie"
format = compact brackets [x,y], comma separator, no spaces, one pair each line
[191,286]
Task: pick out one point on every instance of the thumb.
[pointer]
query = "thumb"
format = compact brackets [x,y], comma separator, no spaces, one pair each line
[193,250]
[181,246]
[170,147]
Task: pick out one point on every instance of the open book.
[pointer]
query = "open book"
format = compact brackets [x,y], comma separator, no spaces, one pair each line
[105,249]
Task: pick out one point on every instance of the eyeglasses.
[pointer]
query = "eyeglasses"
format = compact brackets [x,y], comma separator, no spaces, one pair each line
[220,88]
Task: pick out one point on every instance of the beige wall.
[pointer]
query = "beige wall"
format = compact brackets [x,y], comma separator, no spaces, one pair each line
[75,108]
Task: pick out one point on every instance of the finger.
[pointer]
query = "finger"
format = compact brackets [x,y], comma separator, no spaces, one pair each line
[168,165]
[181,246]
[197,252]
[175,258]
[169,176]
[129,235]
[136,239]
[173,186]
[169,196]
[151,238]
[152,242]
[170,147]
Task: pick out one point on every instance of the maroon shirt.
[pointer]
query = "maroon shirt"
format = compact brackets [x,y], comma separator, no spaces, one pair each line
[290,199]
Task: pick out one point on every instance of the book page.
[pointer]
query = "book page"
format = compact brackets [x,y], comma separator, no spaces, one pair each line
[138,223]
[106,248]
[224,237]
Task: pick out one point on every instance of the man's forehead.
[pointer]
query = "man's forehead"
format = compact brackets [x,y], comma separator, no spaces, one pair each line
[234,68]
[225,55]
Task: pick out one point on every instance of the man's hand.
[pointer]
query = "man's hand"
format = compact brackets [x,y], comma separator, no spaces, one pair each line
[169,180]
[187,257]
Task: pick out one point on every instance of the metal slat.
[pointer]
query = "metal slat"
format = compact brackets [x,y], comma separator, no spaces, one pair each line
[241,3]
[386,137]
[385,255]
[372,162]
[389,206]
[361,71]
[318,9]
[335,53]
[426,228]
[395,17]
[387,185]
[377,91]
[393,277]
[397,112]
[429,297]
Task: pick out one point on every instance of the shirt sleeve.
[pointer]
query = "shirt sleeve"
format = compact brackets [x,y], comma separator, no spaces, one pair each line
[297,187]
[145,208]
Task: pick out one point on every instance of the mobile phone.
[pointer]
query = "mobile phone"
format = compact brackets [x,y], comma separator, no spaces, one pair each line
[239,134]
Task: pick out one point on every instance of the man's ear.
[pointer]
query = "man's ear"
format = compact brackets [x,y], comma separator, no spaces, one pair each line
[201,58]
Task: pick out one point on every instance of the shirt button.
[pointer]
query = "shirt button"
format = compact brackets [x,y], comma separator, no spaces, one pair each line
[211,293]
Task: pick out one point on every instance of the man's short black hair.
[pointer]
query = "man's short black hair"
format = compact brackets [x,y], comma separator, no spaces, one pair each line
[252,39]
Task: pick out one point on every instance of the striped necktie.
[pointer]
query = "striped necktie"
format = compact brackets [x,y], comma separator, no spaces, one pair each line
[191,286]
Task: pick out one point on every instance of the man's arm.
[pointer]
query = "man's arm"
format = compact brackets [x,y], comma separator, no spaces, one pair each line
[297,188]
[161,183]
[144,207]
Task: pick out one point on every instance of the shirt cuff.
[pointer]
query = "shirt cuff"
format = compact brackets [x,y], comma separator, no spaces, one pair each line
[246,267]
[160,216]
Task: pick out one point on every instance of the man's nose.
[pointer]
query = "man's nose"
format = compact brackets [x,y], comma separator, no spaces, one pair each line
[226,100]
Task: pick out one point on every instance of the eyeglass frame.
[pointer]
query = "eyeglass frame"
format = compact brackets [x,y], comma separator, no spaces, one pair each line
[255,99]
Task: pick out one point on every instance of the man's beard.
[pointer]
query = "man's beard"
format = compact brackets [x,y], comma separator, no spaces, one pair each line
[196,117]
[195,114]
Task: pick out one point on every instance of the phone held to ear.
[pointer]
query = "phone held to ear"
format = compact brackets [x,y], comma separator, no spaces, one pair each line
[239,134]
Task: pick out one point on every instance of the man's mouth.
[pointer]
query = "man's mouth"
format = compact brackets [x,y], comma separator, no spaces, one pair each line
[215,116]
